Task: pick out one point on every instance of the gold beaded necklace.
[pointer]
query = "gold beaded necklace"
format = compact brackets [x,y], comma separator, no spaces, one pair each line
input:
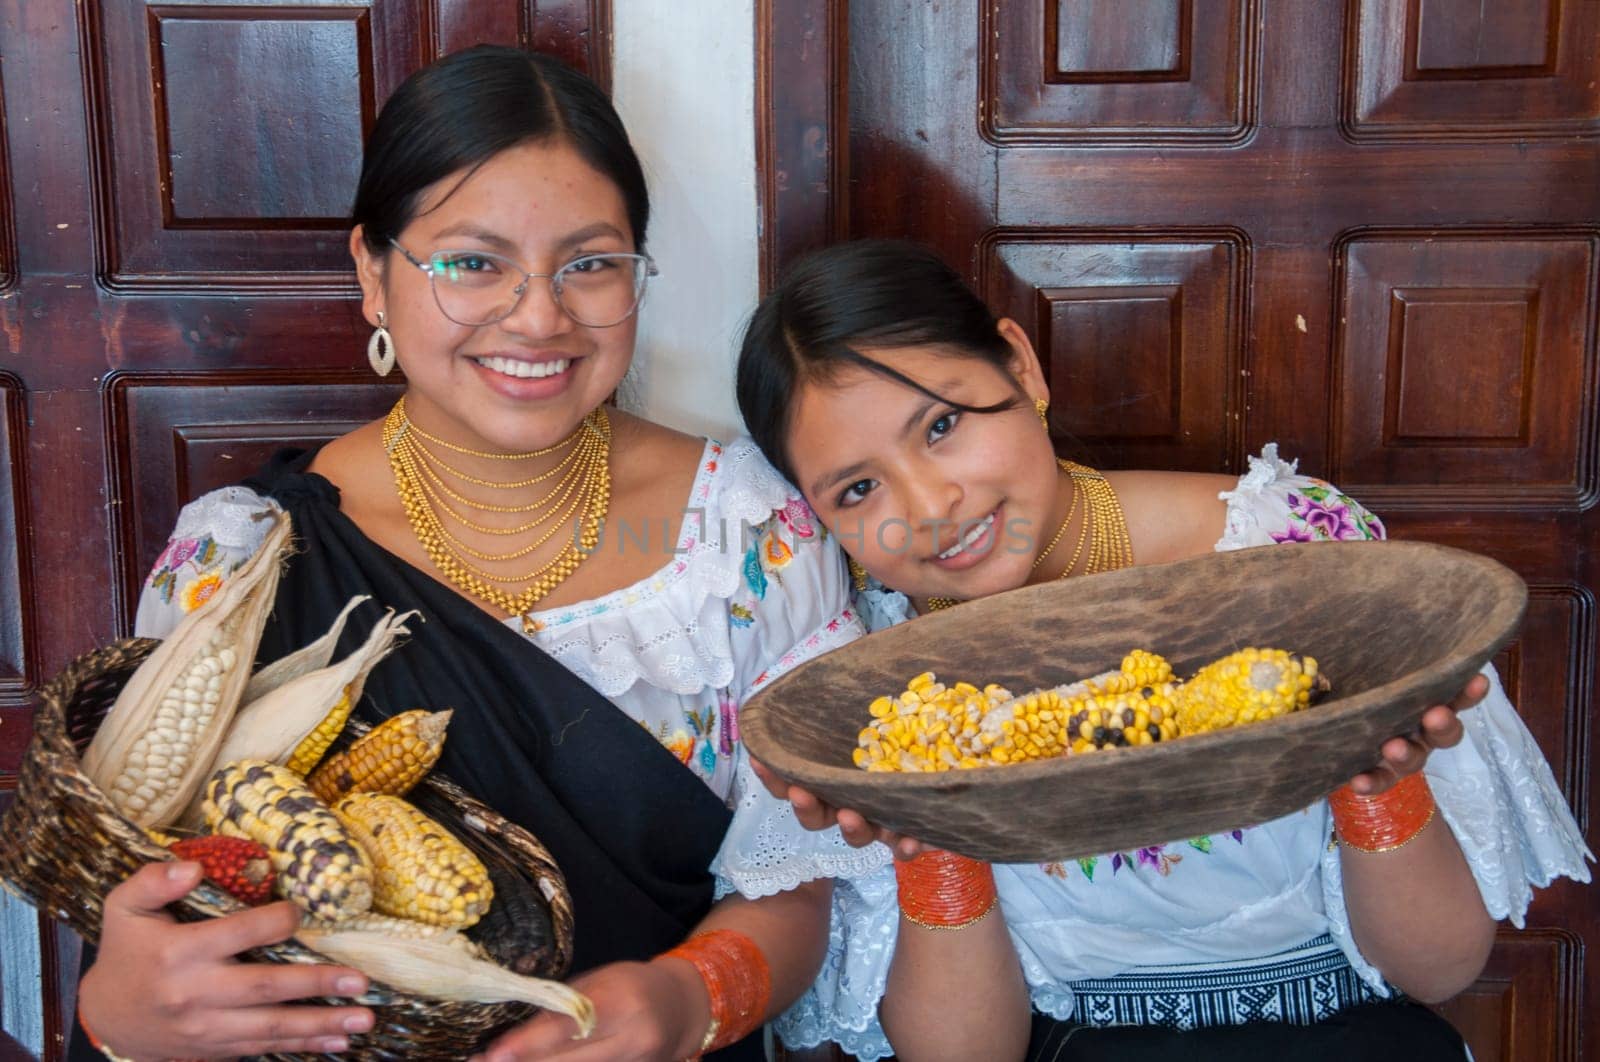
[1104,530]
[584,497]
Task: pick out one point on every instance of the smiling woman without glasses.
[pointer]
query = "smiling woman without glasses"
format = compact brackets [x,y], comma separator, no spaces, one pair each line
[499,242]
[910,417]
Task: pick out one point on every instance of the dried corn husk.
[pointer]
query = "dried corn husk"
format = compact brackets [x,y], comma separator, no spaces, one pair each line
[302,661]
[432,967]
[270,729]
[156,746]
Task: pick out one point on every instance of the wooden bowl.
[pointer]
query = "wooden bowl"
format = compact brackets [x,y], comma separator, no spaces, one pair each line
[1396,626]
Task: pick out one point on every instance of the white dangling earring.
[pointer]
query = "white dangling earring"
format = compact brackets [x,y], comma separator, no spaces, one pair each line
[380,349]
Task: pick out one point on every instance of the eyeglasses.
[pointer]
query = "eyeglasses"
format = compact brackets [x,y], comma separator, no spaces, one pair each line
[478,288]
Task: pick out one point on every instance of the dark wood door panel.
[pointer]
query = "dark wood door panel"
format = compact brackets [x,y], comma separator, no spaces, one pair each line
[1106,70]
[177,438]
[1462,370]
[15,626]
[17,633]
[1462,69]
[247,183]
[1136,334]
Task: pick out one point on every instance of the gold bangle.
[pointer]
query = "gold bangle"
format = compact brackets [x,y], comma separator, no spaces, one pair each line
[974,920]
[707,1040]
[1389,848]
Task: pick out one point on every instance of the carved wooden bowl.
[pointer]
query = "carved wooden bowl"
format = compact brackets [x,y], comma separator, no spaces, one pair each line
[1396,626]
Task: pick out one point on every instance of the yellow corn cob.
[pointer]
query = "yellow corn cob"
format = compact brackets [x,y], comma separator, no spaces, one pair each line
[420,870]
[309,752]
[1246,687]
[391,758]
[1141,716]
[408,928]
[318,865]
[930,727]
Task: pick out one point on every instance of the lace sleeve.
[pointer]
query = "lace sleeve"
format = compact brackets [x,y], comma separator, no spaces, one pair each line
[215,534]
[794,606]
[1274,503]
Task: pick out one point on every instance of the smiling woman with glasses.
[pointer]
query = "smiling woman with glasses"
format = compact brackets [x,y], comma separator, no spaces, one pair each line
[479,288]
[596,677]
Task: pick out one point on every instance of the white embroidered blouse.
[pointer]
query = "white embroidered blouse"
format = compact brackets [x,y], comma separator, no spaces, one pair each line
[1229,897]
[754,587]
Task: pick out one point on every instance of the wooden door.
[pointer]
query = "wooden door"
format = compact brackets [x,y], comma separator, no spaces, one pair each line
[177,301]
[1366,229]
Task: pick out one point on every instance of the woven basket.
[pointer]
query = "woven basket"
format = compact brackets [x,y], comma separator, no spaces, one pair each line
[63,846]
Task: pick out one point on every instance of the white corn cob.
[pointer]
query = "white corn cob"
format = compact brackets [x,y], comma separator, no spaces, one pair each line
[155,747]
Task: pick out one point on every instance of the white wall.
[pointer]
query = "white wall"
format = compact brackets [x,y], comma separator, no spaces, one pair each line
[683,79]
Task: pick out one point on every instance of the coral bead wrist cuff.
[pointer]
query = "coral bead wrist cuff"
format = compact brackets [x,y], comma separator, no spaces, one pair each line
[942,890]
[1384,822]
[736,977]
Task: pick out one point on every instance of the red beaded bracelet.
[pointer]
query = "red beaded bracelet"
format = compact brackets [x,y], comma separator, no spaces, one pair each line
[1384,822]
[737,978]
[942,890]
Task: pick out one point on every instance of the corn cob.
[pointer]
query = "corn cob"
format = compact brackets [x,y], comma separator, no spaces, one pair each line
[932,728]
[299,720]
[155,748]
[433,968]
[420,870]
[1246,687]
[161,837]
[408,928]
[318,865]
[239,866]
[310,751]
[1129,706]
[302,661]
[517,931]
[928,727]
[390,758]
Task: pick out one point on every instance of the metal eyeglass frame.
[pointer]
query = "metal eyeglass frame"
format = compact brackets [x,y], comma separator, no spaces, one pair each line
[429,269]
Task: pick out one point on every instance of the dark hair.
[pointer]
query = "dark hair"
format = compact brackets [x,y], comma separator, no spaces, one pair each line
[841,302]
[469,106]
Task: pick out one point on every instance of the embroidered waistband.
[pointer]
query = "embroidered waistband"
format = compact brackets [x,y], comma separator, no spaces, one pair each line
[1302,986]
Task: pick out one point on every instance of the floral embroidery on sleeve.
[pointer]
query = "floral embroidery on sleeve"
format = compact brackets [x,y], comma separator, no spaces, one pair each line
[200,554]
[709,732]
[772,548]
[1319,513]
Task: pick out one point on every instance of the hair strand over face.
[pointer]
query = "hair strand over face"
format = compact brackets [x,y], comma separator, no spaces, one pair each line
[839,305]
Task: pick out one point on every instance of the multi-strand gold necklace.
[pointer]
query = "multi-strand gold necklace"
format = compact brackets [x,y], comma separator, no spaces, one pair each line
[578,499]
[1104,529]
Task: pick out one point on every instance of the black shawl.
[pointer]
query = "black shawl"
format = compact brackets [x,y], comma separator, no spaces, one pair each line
[633,831]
